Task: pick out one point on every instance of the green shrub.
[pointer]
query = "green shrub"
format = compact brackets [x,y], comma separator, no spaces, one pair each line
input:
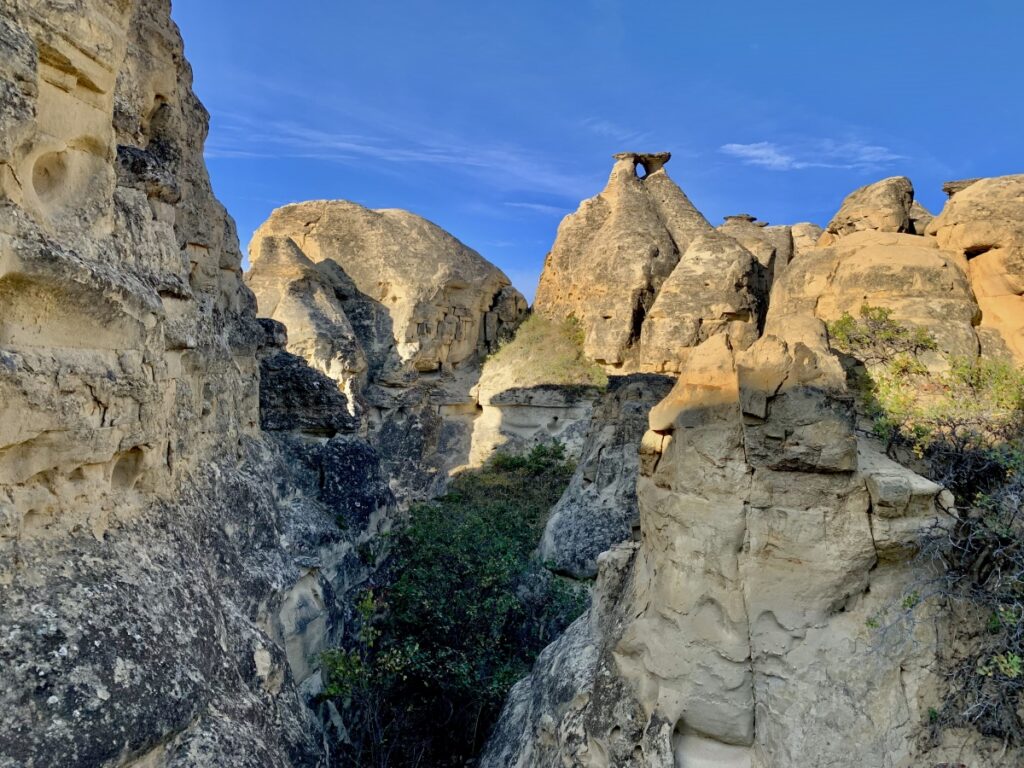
[460,616]
[966,424]
[545,351]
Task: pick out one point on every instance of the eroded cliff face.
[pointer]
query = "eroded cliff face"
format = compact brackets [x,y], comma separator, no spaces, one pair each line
[169,570]
[736,631]
[399,313]
[187,493]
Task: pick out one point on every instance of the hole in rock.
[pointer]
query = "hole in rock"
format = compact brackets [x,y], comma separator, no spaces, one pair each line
[49,175]
[977,250]
[127,469]
[641,171]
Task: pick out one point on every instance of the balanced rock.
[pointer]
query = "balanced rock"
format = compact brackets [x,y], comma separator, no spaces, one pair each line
[883,206]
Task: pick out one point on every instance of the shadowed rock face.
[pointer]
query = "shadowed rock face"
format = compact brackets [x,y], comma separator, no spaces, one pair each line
[613,256]
[399,314]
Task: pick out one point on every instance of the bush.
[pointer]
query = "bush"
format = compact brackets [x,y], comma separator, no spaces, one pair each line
[966,424]
[461,616]
[544,351]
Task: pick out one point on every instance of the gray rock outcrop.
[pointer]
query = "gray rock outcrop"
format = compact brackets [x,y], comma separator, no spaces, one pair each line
[169,570]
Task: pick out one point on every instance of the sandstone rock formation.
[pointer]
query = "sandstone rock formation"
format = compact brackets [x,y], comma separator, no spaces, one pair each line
[538,388]
[716,288]
[599,508]
[805,237]
[757,569]
[399,313]
[437,302]
[613,256]
[168,570]
[771,246]
[984,223]
[883,207]
[771,535]
[186,493]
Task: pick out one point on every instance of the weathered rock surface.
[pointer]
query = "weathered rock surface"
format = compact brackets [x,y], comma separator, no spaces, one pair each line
[613,255]
[771,246]
[399,313]
[920,219]
[922,284]
[716,288]
[884,206]
[645,274]
[310,302]
[754,567]
[805,237]
[771,537]
[983,222]
[538,388]
[169,572]
[442,301]
[599,509]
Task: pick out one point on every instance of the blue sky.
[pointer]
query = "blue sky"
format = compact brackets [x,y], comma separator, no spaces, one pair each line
[494,119]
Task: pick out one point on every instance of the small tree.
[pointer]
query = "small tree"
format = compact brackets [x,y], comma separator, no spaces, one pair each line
[462,610]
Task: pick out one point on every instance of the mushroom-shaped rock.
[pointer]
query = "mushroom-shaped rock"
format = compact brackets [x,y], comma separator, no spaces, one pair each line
[612,255]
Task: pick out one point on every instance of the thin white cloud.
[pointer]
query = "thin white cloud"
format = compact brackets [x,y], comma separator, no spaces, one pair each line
[815,153]
[503,166]
[609,130]
[539,208]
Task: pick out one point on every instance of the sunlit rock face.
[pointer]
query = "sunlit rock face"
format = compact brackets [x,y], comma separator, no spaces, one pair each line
[615,257]
[418,297]
[169,571]
[737,630]
[399,313]
[983,222]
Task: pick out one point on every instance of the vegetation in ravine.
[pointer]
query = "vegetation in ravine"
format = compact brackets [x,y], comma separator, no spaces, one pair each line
[963,423]
[459,615]
[546,351]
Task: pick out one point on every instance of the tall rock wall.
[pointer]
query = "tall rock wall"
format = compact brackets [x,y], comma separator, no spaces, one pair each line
[168,570]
